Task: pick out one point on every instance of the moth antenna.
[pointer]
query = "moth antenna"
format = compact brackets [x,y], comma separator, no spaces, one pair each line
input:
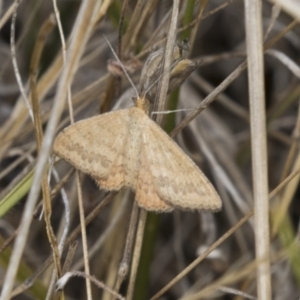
[124,70]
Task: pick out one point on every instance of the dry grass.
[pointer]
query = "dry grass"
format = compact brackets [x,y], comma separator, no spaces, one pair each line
[186,255]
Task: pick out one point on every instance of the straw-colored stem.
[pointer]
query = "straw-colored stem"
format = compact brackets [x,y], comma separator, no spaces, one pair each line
[254,35]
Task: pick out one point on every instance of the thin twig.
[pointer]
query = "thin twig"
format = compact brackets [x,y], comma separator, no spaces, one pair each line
[14,59]
[14,164]
[196,26]
[8,13]
[133,21]
[79,190]
[68,262]
[84,238]
[54,191]
[97,246]
[136,253]
[98,283]
[124,265]
[121,27]
[65,231]
[46,28]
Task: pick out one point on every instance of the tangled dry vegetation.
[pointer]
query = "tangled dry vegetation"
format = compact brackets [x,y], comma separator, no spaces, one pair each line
[120,251]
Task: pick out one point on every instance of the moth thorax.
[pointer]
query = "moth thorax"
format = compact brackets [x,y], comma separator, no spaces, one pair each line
[142,103]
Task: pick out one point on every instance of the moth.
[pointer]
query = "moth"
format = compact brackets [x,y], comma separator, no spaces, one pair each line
[126,148]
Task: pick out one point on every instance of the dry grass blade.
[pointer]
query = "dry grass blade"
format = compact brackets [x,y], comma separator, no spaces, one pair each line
[253,12]
[45,30]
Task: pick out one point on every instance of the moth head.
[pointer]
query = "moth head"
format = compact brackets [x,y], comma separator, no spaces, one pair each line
[142,103]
